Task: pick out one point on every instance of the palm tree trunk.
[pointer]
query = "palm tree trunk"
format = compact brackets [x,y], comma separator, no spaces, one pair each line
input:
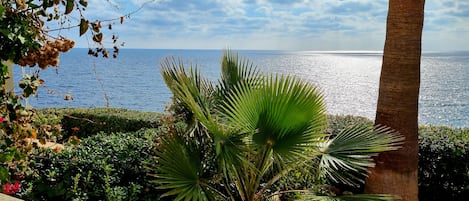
[396,172]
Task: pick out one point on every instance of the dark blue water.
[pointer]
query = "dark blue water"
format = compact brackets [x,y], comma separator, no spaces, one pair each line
[349,80]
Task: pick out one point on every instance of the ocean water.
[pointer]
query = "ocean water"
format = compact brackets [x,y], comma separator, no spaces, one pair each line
[349,80]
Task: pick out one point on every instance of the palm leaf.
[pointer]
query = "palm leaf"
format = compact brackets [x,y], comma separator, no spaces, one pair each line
[180,171]
[197,94]
[190,88]
[230,149]
[283,118]
[235,71]
[284,114]
[347,156]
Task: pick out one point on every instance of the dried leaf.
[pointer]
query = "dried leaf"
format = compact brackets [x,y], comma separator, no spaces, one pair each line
[105,53]
[83,3]
[69,6]
[114,38]
[83,26]
[96,26]
[98,37]
[68,97]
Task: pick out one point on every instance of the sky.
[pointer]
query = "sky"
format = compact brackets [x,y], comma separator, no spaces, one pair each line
[320,25]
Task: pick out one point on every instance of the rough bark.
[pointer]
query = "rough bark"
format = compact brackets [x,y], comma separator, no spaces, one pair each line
[396,172]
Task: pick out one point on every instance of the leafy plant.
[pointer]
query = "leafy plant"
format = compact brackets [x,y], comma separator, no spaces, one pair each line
[106,166]
[85,122]
[27,40]
[257,129]
[443,163]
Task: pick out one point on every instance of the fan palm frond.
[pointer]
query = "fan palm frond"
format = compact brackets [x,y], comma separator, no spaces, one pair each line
[285,114]
[181,171]
[258,128]
[230,146]
[235,71]
[194,91]
[347,156]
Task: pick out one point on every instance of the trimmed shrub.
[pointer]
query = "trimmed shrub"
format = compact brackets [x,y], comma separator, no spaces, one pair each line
[301,177]
[82,122]
[337,123]
[103,167]
[96,166]
[443,163]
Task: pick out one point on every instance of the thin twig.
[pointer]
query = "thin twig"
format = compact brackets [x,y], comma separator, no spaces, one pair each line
[107,20]
[101,84]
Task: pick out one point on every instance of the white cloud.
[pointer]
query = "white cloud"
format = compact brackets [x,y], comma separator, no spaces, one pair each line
[278,24]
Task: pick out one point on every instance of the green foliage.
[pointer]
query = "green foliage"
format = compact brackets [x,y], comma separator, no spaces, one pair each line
[299,178]
[18,33]
[351,150]
[83,122]
[257,128]
[106,166]
[22,26]
[23,32]
[182,170]
[443,163]
[27,41]
[337,123]
[15,126]
[443,156]
[443,168]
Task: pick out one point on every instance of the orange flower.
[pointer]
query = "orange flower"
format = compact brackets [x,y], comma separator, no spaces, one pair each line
[33,133]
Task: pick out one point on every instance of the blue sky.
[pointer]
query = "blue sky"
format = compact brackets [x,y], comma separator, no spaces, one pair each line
[275,24]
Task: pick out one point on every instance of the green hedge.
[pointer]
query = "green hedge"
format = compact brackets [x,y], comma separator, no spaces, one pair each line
[103,167]
[83,122]
[336,123]
[443,163]
[443,157]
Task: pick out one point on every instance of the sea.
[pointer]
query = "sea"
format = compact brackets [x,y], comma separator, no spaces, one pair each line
[348,79]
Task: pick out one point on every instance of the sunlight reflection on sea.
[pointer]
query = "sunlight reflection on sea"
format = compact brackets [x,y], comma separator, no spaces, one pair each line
[349,80]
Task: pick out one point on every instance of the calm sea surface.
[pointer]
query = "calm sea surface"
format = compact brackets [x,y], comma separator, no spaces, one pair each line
[349,80]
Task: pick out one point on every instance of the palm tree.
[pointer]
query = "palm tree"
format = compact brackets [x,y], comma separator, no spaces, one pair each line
[257,128]
[396,172]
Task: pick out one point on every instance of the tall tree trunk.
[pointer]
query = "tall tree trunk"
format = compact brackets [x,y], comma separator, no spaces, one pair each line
[396,172]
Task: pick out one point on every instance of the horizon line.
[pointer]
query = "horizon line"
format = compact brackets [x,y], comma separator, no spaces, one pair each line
[278,50]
